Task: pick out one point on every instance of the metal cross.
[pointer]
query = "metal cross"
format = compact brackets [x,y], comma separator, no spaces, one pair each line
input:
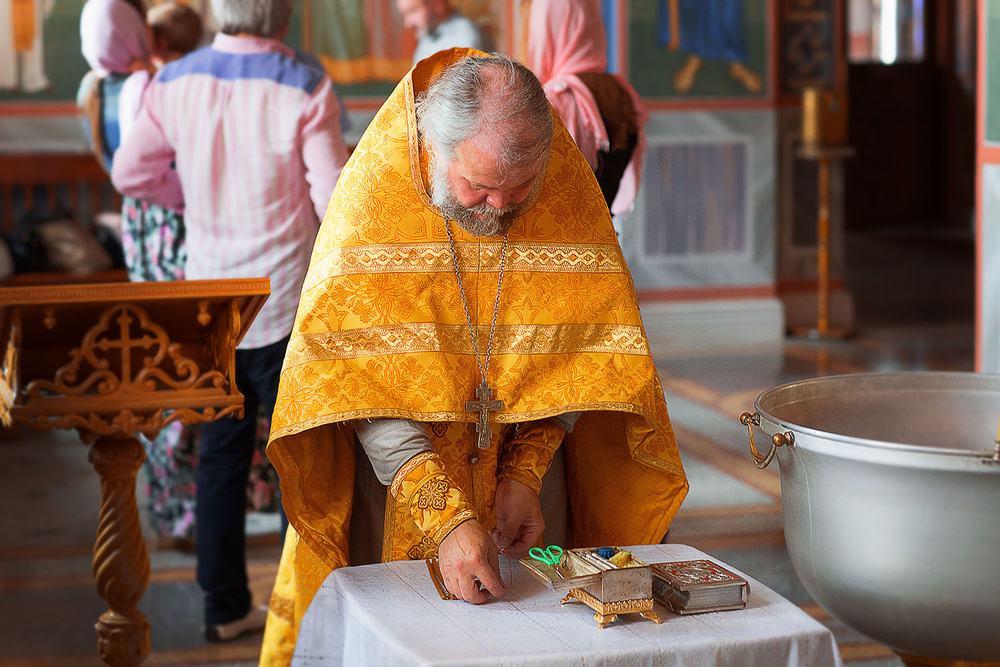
[483,407]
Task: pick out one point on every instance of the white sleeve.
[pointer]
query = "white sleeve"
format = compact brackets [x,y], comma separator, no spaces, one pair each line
[390,443]
[568,420]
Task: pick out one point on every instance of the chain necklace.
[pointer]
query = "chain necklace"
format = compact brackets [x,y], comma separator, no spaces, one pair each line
[484,392]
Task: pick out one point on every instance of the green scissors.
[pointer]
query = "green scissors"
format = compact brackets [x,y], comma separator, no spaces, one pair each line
[550,556]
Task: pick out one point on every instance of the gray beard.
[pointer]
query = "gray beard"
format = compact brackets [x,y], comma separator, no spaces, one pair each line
[494,221]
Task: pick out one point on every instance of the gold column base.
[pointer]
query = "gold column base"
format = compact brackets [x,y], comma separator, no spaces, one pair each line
[917,661]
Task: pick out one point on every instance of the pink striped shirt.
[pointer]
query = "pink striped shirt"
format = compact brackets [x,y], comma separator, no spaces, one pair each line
[255,136]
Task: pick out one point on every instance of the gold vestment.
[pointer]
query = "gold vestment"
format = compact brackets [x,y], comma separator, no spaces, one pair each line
[381,332]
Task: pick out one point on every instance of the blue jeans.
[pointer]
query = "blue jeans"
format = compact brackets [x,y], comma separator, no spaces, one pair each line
[227,447]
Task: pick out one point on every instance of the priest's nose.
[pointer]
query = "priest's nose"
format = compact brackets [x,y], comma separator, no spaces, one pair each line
[497,200]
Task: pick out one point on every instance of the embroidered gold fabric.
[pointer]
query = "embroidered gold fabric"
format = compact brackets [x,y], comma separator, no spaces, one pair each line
[381,332]
[434,502]
[437,257]
[528,453]
[515,339]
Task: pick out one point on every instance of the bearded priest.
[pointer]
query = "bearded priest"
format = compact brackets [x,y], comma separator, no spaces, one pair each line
[466,321]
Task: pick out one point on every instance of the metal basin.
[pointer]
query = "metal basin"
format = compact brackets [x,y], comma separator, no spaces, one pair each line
[890,487]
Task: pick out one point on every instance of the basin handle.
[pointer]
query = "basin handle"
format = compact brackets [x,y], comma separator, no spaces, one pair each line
[779,439]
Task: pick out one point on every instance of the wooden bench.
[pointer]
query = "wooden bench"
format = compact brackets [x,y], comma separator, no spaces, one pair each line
[78,172]
[88,186]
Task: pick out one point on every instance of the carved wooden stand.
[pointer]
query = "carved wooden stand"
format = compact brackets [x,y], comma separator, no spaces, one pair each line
[149,354]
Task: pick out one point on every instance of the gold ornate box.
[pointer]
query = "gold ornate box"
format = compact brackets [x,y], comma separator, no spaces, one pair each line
[601,585]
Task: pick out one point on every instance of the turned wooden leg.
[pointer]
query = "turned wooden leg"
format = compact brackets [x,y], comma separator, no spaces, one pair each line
[121,564]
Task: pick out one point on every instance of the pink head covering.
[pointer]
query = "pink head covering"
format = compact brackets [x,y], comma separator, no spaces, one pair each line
[565,38]
[112,35]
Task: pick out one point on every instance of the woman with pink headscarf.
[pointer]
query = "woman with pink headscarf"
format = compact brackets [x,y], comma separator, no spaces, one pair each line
[567,51]
[115,42]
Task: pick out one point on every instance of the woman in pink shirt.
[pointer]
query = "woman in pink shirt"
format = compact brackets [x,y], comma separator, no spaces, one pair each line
[246,135]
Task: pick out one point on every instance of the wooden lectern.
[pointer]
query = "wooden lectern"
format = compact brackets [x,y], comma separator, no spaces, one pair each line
[114,360]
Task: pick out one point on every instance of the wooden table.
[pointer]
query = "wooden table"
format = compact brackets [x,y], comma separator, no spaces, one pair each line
[391,614]
[114,360]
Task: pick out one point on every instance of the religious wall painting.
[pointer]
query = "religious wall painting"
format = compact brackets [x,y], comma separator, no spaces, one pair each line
[691,49]
[364,46]
[22,50]
[992,64]
[40,57]
[700,194]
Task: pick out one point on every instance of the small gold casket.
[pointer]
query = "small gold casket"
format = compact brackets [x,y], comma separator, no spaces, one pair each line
[607,589]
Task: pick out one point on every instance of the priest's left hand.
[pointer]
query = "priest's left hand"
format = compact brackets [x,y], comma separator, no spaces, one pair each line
[519,518]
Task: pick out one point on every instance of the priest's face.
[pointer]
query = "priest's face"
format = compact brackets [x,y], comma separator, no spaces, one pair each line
[473,191]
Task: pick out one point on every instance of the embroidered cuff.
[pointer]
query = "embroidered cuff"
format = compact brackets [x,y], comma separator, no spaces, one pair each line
[435,503]
[529,453]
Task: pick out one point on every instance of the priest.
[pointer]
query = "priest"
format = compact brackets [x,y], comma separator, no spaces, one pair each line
[467,318]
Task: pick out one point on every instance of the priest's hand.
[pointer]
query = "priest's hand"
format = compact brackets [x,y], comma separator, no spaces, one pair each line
[519,518]
[470,564]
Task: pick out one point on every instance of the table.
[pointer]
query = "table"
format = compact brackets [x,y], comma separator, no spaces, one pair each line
[390,614]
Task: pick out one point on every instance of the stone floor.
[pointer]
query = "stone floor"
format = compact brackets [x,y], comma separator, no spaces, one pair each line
[915,310]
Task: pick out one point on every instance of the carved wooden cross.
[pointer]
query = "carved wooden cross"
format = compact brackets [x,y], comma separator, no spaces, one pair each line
[483,407]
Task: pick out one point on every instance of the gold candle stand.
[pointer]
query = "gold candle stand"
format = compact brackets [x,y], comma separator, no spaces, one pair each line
[824,129]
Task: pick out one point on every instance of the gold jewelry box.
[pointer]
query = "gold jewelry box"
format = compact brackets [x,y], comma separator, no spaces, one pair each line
[596,582]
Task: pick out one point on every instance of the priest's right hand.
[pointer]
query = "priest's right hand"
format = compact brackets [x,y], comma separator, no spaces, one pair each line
[468,559]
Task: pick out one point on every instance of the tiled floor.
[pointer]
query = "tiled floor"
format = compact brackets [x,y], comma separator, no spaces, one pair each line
[915,311]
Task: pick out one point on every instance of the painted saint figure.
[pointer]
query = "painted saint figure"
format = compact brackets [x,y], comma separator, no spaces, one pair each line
[21,49]
[707,30]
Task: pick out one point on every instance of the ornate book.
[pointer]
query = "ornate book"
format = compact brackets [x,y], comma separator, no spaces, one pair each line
[697,586]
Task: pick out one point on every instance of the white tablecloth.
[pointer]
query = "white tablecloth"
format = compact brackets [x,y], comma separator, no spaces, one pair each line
[391,614]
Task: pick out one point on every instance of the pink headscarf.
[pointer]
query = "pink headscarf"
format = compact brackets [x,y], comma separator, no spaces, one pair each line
[565,38]
[112,36]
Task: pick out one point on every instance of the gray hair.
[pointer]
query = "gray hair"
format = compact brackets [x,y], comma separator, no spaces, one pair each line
[493,97]
[263,18]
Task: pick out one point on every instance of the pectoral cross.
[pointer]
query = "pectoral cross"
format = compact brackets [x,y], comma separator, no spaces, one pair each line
[483,407]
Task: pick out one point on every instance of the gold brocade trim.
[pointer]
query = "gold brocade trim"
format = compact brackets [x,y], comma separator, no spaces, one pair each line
[407,468]
[529,479]
[659,464]
[454,339]
[389,526]
[413,143]
[437,258]
[448,416]
[452,523]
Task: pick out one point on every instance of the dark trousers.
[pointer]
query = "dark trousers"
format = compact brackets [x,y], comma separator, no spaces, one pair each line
[227,446]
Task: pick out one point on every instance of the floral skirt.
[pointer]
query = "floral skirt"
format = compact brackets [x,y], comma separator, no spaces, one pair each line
[153,241]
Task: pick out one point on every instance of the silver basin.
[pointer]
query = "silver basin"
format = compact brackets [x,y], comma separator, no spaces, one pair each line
[891,502]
